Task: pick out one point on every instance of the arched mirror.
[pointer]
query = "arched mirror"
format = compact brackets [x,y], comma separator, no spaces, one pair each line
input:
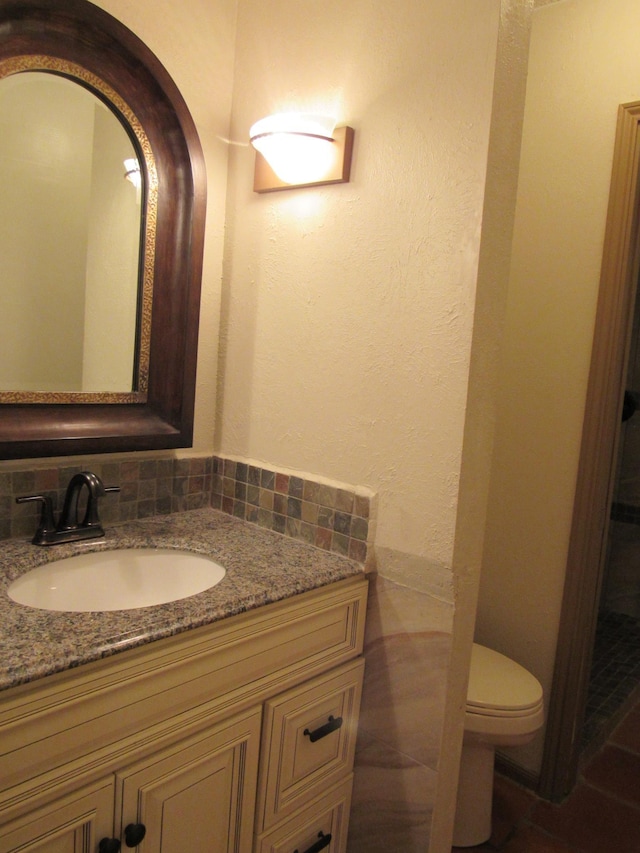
[101,234]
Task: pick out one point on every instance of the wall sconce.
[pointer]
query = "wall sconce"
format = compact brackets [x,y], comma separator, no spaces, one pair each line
[300,151]
[132,172]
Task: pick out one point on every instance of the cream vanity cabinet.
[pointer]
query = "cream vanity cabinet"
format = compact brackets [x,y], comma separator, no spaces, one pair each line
[236,736]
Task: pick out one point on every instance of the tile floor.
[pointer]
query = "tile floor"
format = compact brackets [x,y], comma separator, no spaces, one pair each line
[601,815]
[615,673]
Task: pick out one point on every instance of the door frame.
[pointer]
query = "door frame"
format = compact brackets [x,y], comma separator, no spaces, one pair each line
[597,464]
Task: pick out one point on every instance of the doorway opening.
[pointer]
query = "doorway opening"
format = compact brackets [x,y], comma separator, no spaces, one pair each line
[614,677]
[586,581]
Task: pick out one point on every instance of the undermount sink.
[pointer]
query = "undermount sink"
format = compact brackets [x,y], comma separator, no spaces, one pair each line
[122,579]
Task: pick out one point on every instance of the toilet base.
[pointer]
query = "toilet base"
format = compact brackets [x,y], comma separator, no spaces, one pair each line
[475,795]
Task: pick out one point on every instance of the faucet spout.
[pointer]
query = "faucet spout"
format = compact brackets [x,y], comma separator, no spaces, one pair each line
[69,516]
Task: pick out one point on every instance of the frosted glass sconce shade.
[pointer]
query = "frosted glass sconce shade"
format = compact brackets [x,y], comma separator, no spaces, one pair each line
[300,151]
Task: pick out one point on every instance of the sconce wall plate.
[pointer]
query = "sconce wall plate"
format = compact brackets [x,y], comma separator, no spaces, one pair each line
[265,179]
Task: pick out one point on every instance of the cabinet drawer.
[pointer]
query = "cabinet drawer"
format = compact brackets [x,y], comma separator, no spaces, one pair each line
[322,825]
[309,736]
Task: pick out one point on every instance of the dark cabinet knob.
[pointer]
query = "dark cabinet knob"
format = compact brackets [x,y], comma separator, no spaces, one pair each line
[134,833]
[109,845]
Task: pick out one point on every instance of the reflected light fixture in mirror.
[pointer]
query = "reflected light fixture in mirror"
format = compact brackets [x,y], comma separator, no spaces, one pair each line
[132,172]
[298,150]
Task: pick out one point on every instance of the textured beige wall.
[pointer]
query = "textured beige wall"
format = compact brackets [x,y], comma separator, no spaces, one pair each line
[493,279]
[348,314]
[584,62]
[348,310]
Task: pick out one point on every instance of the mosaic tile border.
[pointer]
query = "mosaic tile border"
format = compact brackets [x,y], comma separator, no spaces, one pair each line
[329,517]
[147,487]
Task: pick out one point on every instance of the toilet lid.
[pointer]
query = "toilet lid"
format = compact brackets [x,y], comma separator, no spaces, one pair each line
[497,683]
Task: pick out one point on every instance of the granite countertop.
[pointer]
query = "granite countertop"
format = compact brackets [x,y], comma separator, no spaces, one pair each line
[261,567]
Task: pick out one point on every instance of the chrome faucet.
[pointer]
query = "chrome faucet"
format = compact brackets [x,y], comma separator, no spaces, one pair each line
[69,528]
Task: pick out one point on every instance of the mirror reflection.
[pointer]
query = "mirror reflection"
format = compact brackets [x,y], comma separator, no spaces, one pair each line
[70,240]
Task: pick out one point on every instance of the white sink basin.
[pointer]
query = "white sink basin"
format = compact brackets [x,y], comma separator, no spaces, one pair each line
[116,580]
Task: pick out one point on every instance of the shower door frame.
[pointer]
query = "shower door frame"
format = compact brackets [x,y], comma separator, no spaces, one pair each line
[597,463]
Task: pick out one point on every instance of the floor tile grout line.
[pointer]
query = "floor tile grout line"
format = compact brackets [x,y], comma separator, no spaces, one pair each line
[615,745]
[607,792]
[553,837]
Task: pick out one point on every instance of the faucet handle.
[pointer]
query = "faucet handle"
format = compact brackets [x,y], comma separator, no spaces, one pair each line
[47,526]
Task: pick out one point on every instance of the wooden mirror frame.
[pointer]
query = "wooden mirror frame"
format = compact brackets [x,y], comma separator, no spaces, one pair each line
[81,33]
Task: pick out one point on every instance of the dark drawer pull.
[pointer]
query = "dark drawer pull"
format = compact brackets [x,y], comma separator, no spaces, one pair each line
[325,841]
[332,725]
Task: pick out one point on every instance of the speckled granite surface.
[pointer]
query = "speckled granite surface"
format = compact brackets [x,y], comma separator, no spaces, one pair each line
[261,567]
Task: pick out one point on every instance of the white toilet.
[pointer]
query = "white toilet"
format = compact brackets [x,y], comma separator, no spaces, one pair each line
[504,708]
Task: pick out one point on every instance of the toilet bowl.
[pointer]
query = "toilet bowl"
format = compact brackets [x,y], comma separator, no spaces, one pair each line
[504,708]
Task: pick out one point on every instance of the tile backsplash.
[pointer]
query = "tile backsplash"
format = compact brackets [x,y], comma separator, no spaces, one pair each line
[147,487]
[333,517]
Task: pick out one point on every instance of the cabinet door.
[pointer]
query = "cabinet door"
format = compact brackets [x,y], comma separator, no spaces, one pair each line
[198,795]
[72,824]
